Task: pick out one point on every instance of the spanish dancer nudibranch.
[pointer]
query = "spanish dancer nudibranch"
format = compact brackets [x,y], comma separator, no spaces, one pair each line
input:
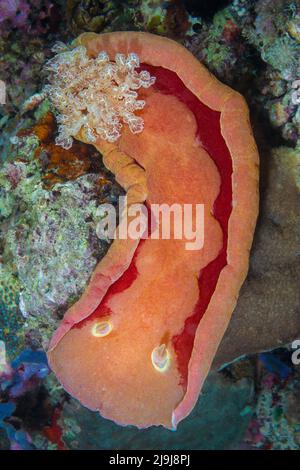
[138,344]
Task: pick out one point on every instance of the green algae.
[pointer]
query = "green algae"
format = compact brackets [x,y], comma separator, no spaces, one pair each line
[11,322]
[48,241]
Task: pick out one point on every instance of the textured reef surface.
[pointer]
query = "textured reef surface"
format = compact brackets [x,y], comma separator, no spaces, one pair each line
[48,217]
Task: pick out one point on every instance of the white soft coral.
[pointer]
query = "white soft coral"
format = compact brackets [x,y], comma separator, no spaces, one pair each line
[96,95]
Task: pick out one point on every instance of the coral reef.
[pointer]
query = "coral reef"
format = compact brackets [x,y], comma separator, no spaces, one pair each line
[168,17]
[33,23]
[20,378]
[86,15]
[252,46]
[58,164]
[36,414]
[259,47]
[30,16]
[233,398]
[275,422]
[45,244]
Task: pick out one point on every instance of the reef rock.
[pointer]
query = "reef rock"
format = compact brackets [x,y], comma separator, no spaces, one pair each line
[268,309]
[48,240]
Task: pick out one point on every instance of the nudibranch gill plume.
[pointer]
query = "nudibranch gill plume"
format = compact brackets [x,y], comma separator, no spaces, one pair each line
[138,344]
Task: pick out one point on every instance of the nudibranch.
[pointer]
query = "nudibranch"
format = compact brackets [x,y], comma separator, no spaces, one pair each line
[138,345]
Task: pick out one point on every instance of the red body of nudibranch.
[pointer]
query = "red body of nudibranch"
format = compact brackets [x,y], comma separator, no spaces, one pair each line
[139,343]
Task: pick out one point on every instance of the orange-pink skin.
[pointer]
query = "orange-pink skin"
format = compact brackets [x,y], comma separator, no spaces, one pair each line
[127,160]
